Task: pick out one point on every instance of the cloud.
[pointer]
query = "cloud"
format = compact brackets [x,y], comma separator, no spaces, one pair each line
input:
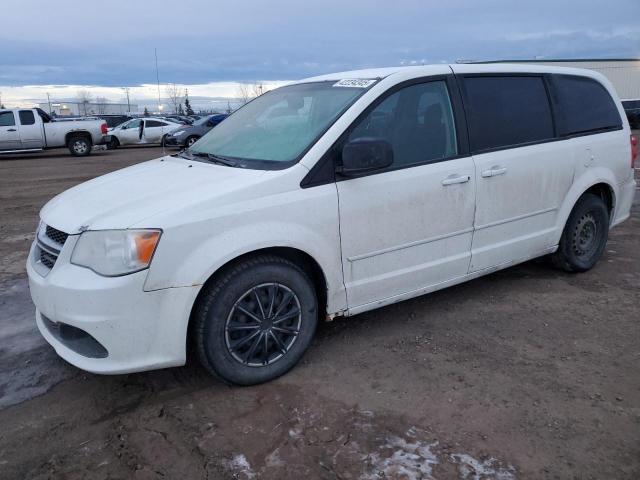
[202,42]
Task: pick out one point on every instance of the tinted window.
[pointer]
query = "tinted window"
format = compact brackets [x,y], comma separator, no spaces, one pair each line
[584,105]
[7,119]
[504,111]
[27,117]
[417,121]
[155,123]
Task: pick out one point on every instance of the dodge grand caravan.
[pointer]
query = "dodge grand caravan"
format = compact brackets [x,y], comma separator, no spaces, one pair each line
[331,196]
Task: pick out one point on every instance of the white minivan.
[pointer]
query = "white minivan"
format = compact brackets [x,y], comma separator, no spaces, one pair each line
[330,196]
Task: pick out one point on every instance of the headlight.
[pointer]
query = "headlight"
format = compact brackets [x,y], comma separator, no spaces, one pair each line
[115,252]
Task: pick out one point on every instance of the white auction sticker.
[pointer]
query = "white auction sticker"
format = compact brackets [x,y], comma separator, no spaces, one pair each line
[354,83]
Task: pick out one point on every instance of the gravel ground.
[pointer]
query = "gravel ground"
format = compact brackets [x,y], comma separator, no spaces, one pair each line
[526,373]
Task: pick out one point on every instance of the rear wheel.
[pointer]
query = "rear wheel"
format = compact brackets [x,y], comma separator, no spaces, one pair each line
[256,321]
[584,236]
[79,145]
[190,141]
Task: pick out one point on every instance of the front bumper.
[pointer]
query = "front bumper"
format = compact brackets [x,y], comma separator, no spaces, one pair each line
[137,330]
[175,141]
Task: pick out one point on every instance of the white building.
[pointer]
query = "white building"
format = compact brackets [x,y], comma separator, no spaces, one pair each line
[87,108]
[623,73]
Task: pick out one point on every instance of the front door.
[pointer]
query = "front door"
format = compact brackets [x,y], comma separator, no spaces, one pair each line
[131,132]
[522,175]
[410,226]
[9,134]
[152,131]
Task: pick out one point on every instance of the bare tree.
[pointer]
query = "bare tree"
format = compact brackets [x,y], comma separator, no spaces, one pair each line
[84,98]
[256,90]
[175,98]
[243,93]
[249,91]
[102,105]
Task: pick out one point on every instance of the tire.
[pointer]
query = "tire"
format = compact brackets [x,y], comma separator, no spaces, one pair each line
[190,141]
[113,143]
[584,236]
[79,145]
[230,343]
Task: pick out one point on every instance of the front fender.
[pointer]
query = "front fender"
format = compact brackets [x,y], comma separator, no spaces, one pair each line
[178,264]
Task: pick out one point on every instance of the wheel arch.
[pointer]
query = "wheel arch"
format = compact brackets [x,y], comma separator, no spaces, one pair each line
[77,133]
[600,182]
[296,256]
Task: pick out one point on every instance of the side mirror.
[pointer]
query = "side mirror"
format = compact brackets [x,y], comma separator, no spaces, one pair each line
[210,124]
[364,155]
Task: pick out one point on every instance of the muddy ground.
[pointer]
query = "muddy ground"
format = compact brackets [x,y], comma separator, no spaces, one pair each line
[526,373]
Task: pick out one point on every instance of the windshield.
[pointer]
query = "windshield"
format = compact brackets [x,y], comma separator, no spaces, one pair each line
[279,126]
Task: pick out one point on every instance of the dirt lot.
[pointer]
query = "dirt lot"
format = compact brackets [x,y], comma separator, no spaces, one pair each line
[527,373]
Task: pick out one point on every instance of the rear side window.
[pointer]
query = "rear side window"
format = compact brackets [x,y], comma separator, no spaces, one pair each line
[155,123]
[584,105]
[27,117]
[505,111]
[7,119]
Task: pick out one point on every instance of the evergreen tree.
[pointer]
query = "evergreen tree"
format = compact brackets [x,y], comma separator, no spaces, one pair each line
[187,104]
[180,109]
[146,112]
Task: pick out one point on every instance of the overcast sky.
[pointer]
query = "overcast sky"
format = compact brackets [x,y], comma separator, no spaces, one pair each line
[111,44]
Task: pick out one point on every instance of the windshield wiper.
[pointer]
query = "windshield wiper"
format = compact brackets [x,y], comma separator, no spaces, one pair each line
[215,159]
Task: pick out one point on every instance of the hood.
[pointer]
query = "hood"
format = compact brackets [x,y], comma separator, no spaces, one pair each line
[126,197]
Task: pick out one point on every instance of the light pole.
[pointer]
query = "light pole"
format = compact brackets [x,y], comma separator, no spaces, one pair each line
[49,102]
[155,50]
[126,90]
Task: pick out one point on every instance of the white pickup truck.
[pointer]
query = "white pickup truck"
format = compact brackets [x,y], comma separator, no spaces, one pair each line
[31,129]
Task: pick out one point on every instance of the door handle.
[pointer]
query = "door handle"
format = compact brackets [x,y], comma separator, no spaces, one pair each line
[452,179]
[494,172]
[11,130]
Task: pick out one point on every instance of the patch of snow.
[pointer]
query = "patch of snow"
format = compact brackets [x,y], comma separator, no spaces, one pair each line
[240,465]
[473,469]
[408,460]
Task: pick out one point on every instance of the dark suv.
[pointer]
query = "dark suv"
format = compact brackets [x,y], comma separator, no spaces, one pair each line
[189,134]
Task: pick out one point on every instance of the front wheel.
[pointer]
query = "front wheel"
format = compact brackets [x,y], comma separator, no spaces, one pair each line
[255,323]
[79,145]
[584,236]
[113,143]
[190,141]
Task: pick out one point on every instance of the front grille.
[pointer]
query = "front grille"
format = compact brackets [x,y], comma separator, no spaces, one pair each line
[47,259]
[49,242]
[56,235]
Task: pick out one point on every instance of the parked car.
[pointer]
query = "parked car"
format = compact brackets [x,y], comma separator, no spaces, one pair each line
[31,129]
[327,197]
[189,134]
[141,131]
[179,118]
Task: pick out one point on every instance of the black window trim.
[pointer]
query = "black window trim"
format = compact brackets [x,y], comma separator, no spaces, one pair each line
[324,171]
